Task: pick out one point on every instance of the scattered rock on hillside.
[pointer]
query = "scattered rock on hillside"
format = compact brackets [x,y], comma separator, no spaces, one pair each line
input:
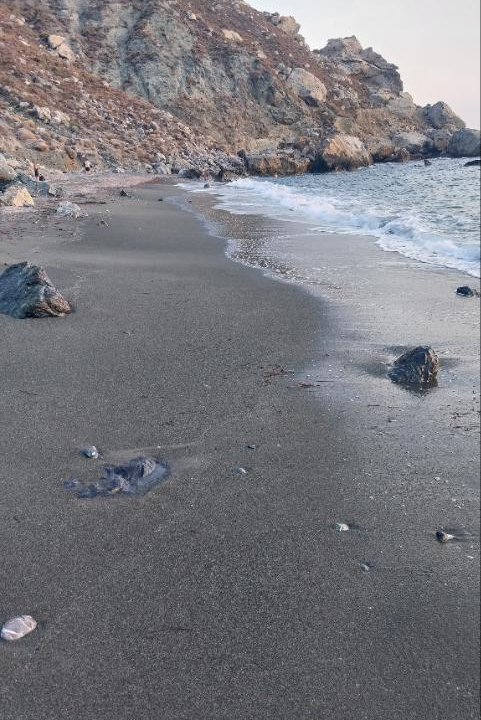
[26,292]
[232,36]
[441,116]
[16,196]
[7,174]
[416,367]
[465,143]
[307,86]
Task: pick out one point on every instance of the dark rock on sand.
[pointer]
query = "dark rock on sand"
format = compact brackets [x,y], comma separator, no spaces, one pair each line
[473,163]
[416,367]
[466,291]
[26,292]
[135,477]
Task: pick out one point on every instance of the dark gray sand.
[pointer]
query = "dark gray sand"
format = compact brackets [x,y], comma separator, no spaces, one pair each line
[219,595]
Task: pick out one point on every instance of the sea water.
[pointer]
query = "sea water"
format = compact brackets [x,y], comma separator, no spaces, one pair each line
[429,213]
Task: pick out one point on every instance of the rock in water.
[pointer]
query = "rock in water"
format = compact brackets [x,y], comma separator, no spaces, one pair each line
[473,163]
[17,628]
[26,292]
[135,477]
[416,367]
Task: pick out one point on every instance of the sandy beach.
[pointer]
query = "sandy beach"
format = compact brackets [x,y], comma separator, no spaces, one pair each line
[220,595]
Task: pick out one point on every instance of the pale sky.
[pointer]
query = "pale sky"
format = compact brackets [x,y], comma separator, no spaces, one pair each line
[435,43]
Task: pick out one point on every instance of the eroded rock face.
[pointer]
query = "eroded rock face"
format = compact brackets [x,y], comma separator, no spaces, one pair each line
[441,116]
[380,149]
[414,142]
[418,367]
[343,152]
[366,64]
[465,143]
[26,292]
[277,164]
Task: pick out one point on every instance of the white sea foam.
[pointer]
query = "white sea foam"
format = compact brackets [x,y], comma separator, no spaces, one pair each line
[429,214]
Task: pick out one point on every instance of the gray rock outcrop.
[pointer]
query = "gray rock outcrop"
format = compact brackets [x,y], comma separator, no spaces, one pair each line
[465,143]
[441,116]
[26,292]
[343,152]
[307,86]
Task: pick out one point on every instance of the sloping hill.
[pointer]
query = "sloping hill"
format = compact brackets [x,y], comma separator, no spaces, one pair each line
[182,83]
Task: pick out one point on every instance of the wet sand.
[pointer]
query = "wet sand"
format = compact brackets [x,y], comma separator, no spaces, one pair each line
[218,595]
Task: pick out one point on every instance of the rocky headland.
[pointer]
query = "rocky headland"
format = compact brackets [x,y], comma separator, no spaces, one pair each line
[200,89]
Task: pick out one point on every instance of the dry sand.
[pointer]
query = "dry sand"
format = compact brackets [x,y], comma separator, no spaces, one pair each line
[220,596]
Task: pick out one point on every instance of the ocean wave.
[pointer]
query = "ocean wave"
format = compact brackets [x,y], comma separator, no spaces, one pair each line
[403,232]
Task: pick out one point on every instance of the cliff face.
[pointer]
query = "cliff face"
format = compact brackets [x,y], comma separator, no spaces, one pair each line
[229,77]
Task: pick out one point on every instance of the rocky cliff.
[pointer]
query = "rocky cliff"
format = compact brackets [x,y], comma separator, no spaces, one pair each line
[201,87]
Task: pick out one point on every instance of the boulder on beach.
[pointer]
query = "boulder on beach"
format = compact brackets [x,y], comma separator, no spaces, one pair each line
[465,143]
[16,196]
[473,163]
[416,367]
[26,292]
[70,210]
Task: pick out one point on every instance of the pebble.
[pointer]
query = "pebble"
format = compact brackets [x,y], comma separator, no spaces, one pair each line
[342,527]
[444,537]
[17,628]
[239,470]
[90,452]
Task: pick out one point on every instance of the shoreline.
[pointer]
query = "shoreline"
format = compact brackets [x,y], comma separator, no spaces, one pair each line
[230,597]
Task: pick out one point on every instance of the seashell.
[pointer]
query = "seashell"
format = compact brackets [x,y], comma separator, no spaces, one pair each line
[17,628]
[342,527]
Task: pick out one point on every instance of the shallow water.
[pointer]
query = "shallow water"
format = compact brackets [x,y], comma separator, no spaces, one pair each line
[431,214]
